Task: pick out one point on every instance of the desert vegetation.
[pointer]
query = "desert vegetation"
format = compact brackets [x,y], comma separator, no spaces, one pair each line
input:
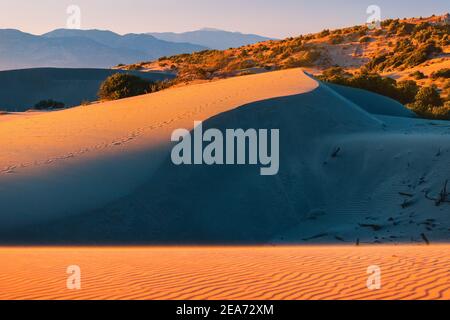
[214,64]
[415,43]
[424,101]
[49,104]
[442,73]
[122,85]
[366,58]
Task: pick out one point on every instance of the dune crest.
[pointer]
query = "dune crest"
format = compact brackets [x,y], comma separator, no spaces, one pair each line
[111,148]
[348,170]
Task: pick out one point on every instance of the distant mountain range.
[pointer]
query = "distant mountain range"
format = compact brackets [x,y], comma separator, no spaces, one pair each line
[103,49]
[211,38]
[82,49]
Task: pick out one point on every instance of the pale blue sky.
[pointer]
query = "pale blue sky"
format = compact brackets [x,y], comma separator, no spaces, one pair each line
[275,18]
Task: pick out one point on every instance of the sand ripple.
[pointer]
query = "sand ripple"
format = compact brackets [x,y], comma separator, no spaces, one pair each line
[408,272]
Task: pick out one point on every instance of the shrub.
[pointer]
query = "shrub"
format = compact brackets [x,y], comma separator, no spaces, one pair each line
[362,30]
[425,101]
[161,85]
[441,113]
[405,29]
[375,83]
[136,67]
[405,54]
[335,75]
[376,62]
[48,104]
[336,39]
[429,96]
[335,71]
[324,33]
[121,85]
[378,32]
[365,39]
[430,111]
[407,91]
[418,75]
[304,59]
[443,73]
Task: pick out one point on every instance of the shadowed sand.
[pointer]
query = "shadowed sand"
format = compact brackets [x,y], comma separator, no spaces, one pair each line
[72,161]
[315,272]
[353,165]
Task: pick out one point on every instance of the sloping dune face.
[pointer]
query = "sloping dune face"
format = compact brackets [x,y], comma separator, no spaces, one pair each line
[253,273]
[63,163]
[372,102]
[345,174]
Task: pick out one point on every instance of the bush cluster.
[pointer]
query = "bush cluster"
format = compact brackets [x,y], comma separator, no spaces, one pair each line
[123,85]
[425,101]
[48,105]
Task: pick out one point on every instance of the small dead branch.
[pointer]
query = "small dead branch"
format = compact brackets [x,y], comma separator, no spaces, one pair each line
[322,235]
[407,203]
[336,152]
[375,227]
[409,195]
[424,237]
[443,196]
[439,153]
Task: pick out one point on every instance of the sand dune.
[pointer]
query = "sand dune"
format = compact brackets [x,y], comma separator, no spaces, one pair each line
[111,148]
[349,170]
[300,273]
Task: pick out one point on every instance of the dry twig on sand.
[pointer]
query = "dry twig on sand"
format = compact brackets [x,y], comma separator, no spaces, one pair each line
[443,197]
[336,152]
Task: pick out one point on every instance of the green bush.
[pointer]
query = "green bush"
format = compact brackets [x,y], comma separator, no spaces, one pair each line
[429,96]
[161,85]
[430,111]
[418,75]
[122,85]
[405,29]
[48,104]
[304,59]
[443,73]
[405,54]
[425,101]
[375,83]
[336,39]
[407,91]
[428,104]
[324,33]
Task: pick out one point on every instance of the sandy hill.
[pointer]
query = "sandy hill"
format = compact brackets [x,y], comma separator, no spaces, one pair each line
[397,49]
[102,174]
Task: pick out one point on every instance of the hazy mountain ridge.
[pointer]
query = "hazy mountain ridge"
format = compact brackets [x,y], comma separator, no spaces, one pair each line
[82,49]
[212,38]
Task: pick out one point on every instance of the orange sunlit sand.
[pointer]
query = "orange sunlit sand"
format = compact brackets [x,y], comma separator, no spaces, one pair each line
[314,272]
[308,163]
